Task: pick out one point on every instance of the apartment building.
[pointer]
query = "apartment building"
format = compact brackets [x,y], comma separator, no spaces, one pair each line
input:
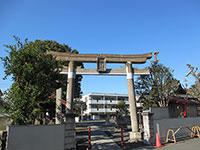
[101,104]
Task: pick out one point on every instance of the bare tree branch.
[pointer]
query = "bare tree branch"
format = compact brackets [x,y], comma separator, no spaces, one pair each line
[196,76]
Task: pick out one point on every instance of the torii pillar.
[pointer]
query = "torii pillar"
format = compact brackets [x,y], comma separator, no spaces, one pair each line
[135,135]
[69,96]
[70,116]
[70,87]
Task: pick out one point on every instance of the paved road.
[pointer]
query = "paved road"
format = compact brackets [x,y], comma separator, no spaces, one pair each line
[189,144]
[102,140]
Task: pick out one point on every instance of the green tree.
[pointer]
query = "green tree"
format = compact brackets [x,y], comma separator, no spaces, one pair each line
[156,88]
[78,105]
[35,77]
[1,100]
[55,46]
[122,107]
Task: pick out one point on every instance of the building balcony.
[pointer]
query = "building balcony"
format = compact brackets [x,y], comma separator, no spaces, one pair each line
[114,102]
[101,110]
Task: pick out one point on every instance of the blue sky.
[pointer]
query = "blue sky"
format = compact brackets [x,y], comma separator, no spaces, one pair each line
[171,27]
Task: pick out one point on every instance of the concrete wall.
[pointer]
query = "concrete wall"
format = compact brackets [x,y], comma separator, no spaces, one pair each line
[161,126]
[41,137]
[165,124]
[38,137]
[192,111]
[172,111]
[159,112]
[175,110]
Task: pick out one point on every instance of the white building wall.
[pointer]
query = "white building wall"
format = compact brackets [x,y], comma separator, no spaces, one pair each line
[101,100]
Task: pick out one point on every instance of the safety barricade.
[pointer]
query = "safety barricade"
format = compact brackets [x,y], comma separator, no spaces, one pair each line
[195,131]
[171,133]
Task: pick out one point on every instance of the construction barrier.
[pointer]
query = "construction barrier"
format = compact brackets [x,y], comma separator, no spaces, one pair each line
[158,143]
[171,133]
[173,138]
[195,131]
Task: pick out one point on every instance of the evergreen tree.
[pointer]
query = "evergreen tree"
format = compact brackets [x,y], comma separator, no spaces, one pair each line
[122,107]
[35,77]
[156,88]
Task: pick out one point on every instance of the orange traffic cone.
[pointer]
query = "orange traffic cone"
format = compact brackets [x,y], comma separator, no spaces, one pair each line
[158,143]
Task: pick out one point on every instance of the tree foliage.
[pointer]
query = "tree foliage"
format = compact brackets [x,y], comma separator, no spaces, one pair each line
[156,88]
[122,107]
[77,106]
[35,77]
[1,100]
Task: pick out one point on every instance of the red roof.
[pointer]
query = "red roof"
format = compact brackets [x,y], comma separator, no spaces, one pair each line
[181,100]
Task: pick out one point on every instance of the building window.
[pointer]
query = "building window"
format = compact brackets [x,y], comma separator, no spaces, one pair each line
[96,97]
[120,98]
[109,98]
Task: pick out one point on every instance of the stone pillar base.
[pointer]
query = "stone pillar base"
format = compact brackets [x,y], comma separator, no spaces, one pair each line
[70,117]
[70,132]
[135,137]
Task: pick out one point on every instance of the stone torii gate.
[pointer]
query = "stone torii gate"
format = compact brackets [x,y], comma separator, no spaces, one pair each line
[102,60]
